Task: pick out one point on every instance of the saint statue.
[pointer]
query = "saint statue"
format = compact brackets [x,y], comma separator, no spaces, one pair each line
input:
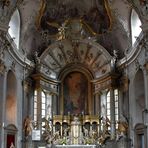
[27,127]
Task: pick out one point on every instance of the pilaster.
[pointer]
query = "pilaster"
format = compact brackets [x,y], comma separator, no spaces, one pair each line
[112,112]
[145,110]
[4,85]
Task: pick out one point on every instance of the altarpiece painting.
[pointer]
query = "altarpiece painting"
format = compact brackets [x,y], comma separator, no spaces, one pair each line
[75,93]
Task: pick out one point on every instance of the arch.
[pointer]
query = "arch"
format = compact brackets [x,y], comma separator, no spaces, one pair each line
[87,125]
[79,67]
[11,127]
[11,135]
[14,25]
[58,127]
[139,135]
[11,102]
[135,26]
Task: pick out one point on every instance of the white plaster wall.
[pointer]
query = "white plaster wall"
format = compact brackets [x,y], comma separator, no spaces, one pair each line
[1,106]
[135,114]
[18,71]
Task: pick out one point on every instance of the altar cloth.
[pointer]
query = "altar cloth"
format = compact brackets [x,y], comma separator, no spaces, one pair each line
[75,146]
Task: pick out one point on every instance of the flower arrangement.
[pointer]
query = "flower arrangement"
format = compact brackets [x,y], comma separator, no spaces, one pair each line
[63,141]
[88,140]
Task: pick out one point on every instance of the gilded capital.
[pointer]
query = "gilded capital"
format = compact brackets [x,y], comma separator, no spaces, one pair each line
[2,67]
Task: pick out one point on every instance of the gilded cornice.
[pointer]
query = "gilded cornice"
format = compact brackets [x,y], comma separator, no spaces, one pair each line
[107,81]
[40,76]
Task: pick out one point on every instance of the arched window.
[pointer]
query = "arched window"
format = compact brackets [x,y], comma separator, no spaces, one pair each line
[14,25]
[46,101]
[106,105]
[35,105]
[116,104]
[135,26]
[108,109]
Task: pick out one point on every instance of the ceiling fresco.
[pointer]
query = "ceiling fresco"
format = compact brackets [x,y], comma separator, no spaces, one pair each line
[46,23]
[96,17]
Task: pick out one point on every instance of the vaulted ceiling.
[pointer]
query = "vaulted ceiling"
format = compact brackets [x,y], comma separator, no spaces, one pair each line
[107,22]
[45,23]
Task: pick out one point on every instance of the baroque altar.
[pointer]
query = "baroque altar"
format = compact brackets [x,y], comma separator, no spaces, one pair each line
[79,131]
[73,130]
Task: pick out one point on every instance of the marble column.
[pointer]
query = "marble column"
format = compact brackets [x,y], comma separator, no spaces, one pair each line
[54,104]
[112,113]
[39,109]
[98,110]
[97,103]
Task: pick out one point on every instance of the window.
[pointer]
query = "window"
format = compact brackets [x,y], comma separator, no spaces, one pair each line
[135,26]
[43,104]
[116,104]
[35,106]
[106,106]
[14,29]
[46,101]
[49,106]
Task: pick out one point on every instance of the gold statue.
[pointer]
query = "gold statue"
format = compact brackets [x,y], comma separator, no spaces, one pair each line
[61,35]
[66,130]
[46,126]
[106,125]
[27,126]
[105,133]
[5,3]
[122,128]
[94,134]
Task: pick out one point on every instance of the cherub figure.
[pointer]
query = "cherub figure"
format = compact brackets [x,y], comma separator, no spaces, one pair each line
[12,145]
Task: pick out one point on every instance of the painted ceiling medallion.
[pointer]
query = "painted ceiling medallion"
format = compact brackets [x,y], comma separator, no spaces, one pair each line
[59,16]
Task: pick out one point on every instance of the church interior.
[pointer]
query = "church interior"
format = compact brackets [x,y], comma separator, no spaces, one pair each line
[74,73]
